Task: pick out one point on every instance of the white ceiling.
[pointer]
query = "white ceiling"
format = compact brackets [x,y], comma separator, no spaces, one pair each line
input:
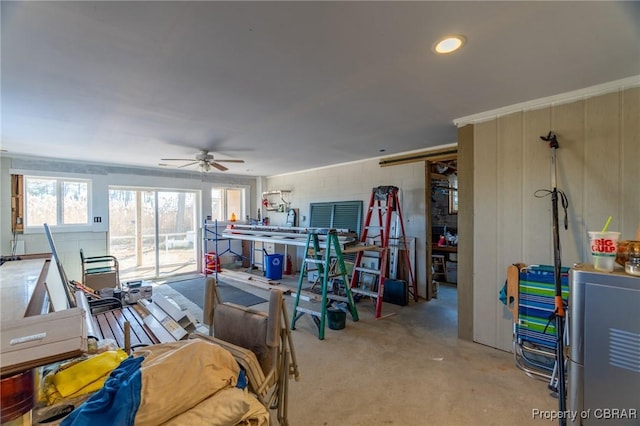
[287,86]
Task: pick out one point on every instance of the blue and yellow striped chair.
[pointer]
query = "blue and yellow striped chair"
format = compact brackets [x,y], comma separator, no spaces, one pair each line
[531,300]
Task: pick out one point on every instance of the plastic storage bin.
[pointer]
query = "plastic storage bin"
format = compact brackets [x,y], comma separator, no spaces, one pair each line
[451,272]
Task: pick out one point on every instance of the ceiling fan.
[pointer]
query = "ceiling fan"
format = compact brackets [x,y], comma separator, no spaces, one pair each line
[204,160]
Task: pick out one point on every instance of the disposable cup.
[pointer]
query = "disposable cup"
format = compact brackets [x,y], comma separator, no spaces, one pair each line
[604,248]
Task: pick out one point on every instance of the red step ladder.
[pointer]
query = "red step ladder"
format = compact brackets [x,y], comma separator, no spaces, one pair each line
[368,278]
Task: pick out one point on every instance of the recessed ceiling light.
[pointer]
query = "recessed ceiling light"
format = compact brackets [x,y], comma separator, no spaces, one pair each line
[449,44]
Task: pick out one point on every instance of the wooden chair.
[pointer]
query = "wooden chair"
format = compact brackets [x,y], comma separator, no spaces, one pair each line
[260,341]
[439,267]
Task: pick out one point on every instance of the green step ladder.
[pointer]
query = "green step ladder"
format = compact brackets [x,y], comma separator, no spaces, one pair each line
[326,258]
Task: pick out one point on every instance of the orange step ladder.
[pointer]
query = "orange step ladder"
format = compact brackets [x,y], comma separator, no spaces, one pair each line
[371,265]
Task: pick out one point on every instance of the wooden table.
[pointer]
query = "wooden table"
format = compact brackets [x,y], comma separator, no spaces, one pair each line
[446,249]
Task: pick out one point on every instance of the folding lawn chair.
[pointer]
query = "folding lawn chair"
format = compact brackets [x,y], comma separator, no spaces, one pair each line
[530,298]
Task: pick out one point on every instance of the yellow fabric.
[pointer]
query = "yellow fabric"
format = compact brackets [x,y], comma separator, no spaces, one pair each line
[91,387]
[88,375]
[53,395]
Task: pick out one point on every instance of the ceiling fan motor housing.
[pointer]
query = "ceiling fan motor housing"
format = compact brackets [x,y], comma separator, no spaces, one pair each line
[204,156]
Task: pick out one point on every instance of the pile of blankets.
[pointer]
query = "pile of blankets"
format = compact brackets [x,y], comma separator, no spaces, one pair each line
[189,382]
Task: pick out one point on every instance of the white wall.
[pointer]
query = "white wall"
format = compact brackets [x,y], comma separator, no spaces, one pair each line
[355,181]
[95,240]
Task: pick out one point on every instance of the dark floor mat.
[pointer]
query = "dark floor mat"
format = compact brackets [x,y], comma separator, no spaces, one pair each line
[194,290]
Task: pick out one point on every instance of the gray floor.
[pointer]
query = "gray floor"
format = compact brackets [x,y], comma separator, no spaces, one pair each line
[408,368]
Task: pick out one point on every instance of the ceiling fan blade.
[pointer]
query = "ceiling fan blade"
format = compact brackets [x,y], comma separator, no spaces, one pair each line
[218,166]
[188,164]
[176,159]
[230,161]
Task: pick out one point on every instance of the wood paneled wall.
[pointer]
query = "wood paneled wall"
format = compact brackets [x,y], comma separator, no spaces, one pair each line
[598,166]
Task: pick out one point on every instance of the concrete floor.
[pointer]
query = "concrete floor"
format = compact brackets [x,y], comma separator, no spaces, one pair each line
[408,368]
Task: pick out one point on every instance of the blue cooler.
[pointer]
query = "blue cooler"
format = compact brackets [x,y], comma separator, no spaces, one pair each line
[273,267]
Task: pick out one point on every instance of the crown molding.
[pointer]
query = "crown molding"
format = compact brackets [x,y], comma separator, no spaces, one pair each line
[562,98]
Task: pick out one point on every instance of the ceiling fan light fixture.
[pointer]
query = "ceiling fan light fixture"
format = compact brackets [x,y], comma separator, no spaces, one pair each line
[449,44]
[203,161]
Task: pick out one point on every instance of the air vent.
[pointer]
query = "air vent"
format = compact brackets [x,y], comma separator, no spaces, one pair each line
[624,349]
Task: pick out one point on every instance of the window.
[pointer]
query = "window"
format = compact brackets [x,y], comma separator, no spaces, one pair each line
[56,201]
[453,194]
[226,202]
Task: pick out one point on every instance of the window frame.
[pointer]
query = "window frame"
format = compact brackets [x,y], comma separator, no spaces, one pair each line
[60,180]
[225,201]
[452,180]
[159,265]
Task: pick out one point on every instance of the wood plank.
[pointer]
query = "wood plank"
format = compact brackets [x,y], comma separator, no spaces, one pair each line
[155,318]
[105,328]
[18,280]
[568,122]
[630,172]
[448,249]
[486,232]
[137,328]
[149,330]
[602,161]
[122,316]
[254,280]
[465,230]
[510,229]
[112,326]
[117,325]
[40,300]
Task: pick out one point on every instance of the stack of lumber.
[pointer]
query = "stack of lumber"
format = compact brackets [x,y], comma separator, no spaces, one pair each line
[254,280]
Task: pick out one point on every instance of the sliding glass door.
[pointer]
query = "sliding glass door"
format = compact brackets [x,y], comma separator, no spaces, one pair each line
[152,233]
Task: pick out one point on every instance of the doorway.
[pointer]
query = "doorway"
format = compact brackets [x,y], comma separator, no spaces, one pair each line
[442,224]
[152,233]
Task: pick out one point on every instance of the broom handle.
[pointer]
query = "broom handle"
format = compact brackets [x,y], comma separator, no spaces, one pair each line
[557,269]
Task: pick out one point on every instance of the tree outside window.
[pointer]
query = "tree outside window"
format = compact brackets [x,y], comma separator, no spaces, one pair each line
[56,201]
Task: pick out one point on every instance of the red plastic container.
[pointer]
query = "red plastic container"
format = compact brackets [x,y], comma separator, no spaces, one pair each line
[211,263]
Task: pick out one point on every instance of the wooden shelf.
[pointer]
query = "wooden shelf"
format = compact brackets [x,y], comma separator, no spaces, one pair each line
[276,192]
